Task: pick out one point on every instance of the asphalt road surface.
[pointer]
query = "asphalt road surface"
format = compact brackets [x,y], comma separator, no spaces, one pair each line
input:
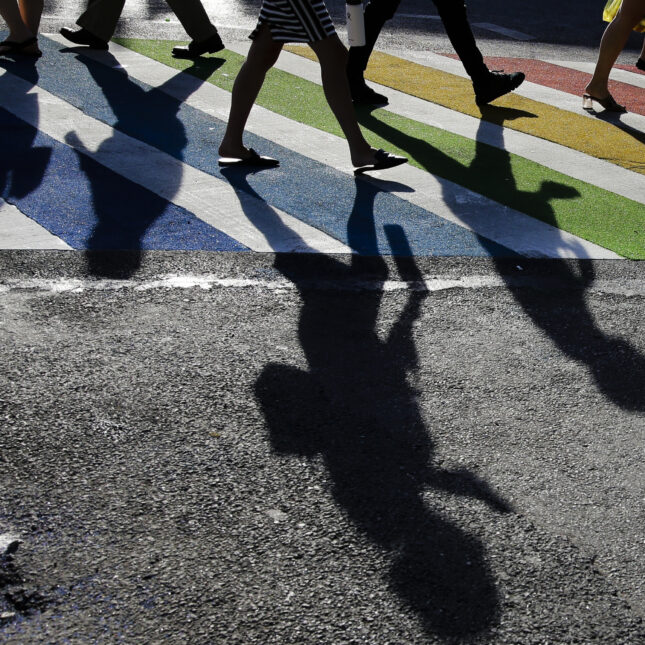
[323,451]
[271,448]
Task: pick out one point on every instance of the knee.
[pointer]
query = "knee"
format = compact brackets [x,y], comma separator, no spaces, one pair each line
[631,13]
[331,51]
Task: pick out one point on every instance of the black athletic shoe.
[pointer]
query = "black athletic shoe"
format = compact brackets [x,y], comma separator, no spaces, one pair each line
[84,37]
[195,50]
[362,94]
[496,84]
[640,63]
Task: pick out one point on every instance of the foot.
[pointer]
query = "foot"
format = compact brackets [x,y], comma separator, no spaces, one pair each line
[496,84]
[196,49]
[84,37]
[253,160]
[608,102]
[362,94]
[28,47]
[640,63]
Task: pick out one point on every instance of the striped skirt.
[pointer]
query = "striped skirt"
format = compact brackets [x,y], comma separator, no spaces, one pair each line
[299,21]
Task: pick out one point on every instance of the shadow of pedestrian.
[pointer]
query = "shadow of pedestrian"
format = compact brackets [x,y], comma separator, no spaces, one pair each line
[616,119]
[125,211]
[22,163]
[560,311]
[356,407]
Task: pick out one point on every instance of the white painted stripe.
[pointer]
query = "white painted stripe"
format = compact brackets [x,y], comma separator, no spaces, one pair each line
[622,75]
[17,231]
[516,231]
[211,199]
[557,98]
[627,288]
[511,33]
[551,155]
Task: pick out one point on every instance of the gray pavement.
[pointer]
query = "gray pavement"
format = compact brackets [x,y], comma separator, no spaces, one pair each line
[248,448]
[291,452]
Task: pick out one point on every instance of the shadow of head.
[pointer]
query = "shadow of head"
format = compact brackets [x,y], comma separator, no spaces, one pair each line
[555,190]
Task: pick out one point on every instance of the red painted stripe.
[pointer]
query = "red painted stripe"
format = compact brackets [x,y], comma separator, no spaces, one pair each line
[630,68]
[567,80]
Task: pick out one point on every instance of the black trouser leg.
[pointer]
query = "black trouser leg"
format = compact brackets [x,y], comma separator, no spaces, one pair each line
[377,13]
[455,20]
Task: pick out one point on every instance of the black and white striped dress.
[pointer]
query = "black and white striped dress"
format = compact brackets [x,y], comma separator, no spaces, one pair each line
[295,21]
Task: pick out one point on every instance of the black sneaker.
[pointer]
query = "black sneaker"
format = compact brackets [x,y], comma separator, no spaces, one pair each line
[362,94]
[496,84]
[84,37]
[195,50]
[640,63]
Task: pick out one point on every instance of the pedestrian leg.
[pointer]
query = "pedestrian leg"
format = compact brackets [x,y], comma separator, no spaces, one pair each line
[262,56]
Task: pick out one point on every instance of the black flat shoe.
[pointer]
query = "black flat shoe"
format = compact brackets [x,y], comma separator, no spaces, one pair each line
[254,160]
[609,103]
[640,64]
[11,47]
[84,37]
[195,50]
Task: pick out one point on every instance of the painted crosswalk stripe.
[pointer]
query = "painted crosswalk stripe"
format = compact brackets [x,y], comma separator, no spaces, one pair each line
[489,219]
[551,155]
[572,81]
[459,212]
[327,208]
[215,201]
[17,231]
[624,76]
[450,64]
[578,131]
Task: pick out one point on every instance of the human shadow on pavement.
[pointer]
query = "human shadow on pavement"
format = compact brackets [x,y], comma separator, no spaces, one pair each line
[616,119]
[127,213]
[555,298]
[22,163]
[356,407]
[559,307]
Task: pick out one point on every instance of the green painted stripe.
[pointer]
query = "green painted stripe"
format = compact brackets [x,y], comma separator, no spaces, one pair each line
[592,213]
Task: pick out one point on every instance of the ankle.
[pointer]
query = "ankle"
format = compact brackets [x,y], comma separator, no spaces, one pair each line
[20,35]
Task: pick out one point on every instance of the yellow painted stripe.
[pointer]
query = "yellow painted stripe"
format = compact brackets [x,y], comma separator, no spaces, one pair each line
[593,137]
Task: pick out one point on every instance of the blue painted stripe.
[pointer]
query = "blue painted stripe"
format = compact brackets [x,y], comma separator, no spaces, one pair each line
[89,206]
[310,191]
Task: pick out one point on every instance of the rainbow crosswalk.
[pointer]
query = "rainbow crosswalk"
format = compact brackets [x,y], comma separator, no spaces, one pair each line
[118,150]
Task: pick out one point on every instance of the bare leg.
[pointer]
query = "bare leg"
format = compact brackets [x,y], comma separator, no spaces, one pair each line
[31,11]
[612,43]
[262,56]
[18,30]
[333,61]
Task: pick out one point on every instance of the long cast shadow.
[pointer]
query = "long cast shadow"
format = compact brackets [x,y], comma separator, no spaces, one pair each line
[356,407]
[22,164]
[617,367]
[561,311]
[150,115]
